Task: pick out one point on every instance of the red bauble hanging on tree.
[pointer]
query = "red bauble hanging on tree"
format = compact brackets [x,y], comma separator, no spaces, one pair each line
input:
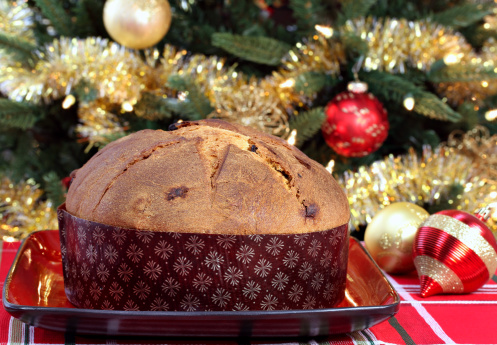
[356,123]
[454,252]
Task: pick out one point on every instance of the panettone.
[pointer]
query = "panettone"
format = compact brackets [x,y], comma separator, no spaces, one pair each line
[206,216]
[207,176]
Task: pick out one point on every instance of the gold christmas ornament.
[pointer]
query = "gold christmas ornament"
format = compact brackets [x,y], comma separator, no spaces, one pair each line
[389,237]
[137,24]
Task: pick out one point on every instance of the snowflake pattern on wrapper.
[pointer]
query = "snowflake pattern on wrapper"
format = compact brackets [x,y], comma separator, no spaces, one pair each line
[112,268]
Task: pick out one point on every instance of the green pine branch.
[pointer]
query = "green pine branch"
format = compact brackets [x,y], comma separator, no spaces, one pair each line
[54,11]
[309,83]
[18,115]
[85,91]
[469,115]
[196,106]
[152,107]
[307,124]
[351,9]
[395,88]
[82,20]
[308,13]
[353,44]
[88,18]
[263,50]
[441,73]
[19,48]
[464,15]
[430,105]
[53,188]
[20,166]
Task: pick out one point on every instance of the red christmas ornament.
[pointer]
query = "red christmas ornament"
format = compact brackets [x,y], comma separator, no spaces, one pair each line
[356,123]
[454,252]
[66,181]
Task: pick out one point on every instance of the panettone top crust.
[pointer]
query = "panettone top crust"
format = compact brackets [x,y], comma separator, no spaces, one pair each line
[207,176]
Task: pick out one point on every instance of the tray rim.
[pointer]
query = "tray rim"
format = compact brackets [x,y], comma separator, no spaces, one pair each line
[11,307]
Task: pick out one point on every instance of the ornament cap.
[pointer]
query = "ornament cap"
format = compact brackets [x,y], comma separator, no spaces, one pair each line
[429,287]
[484,213]
[357,86]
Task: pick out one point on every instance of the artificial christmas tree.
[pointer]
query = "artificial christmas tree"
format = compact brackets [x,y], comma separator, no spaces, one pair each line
[68,89]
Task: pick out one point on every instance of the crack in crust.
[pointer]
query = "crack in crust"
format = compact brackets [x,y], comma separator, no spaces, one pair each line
[145,154]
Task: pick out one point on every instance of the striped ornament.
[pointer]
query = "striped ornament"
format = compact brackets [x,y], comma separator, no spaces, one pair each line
[454,252]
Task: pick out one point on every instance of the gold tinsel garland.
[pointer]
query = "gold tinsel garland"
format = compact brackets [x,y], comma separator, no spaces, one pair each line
[395,44]
[17,20]
[468,160]
[22,211]
[251,106]
[476,91]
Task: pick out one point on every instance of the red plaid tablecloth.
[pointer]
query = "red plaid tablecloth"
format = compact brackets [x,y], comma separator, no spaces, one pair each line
[449,319]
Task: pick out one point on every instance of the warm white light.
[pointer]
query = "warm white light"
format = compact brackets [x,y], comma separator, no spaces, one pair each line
[287,83]
[292,139]
[330,166]
[182,96]
[451,59]
[326,31]
[484,83]
[409,102]
[68,101]
[491,115]
[127,106]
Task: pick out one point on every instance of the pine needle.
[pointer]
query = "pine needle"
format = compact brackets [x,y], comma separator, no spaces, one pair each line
[351,9]
[196,105]
[59,18]
[307,124]
[16,46]
[18,115]
[396,88]
[463,15]
[263,50]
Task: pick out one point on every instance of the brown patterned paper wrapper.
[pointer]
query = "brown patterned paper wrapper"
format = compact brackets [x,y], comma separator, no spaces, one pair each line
[108,267]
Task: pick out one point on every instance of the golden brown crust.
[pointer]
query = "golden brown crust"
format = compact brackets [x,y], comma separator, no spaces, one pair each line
[207,176]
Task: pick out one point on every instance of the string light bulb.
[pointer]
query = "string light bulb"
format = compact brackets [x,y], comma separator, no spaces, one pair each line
[452,59]
[292,139]
[127,107]
[68,101]
[491,115]
[181,96]
[287,83]
[326,31]
[330,166]
[409,102]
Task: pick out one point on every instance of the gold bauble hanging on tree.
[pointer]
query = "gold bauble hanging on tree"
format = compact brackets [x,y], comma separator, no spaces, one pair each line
[137,24]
